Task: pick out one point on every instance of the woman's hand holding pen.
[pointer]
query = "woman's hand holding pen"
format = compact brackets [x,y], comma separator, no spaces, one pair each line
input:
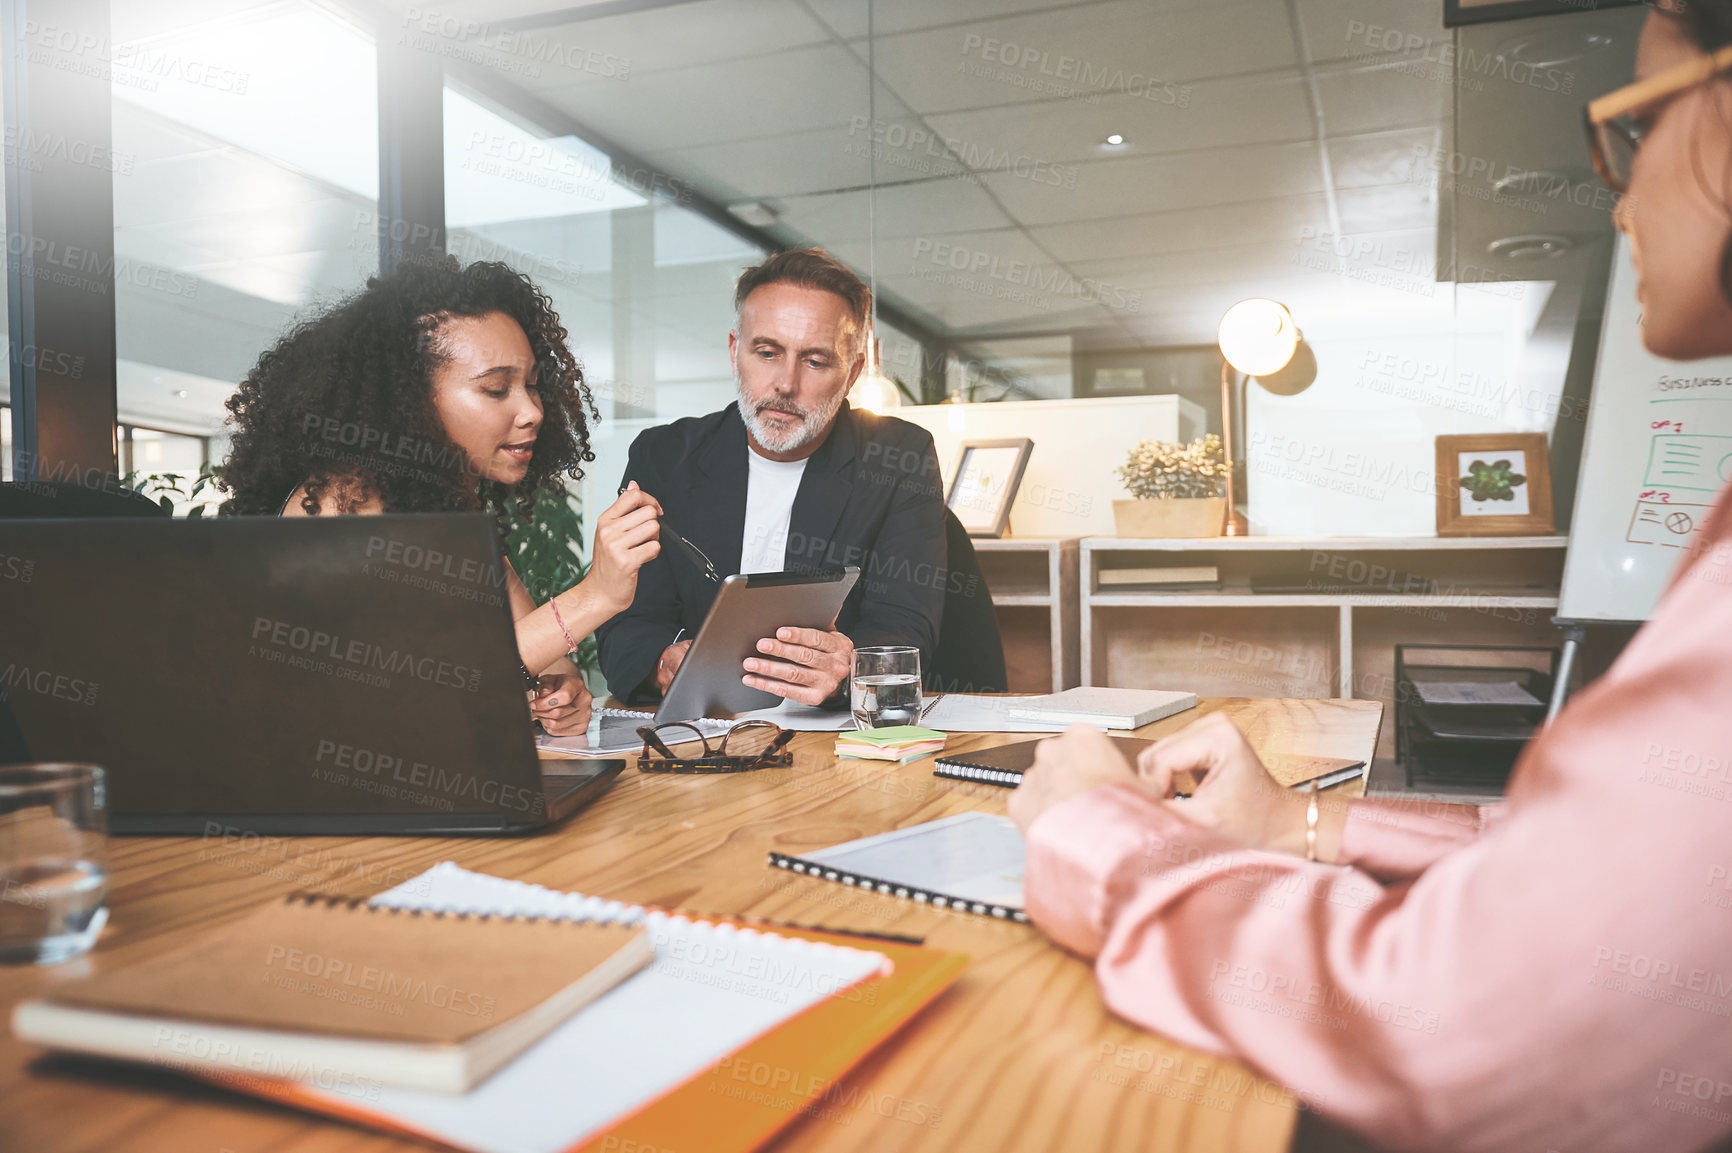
[627,537]
[561,703]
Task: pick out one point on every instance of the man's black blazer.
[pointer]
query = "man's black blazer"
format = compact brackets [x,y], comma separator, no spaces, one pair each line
[870,496]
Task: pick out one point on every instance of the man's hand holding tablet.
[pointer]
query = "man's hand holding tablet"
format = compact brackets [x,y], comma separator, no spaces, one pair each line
[807,666]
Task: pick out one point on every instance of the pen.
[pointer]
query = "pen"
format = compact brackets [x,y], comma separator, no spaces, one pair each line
[894,938]
[693,553]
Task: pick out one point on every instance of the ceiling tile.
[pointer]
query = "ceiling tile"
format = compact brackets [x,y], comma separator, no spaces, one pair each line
[929,208]
[1050,194]
[1118,48]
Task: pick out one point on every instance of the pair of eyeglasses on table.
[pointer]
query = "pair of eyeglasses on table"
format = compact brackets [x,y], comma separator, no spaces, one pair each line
[747,746]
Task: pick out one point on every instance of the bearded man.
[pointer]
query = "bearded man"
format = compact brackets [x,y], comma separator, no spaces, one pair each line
[788,478]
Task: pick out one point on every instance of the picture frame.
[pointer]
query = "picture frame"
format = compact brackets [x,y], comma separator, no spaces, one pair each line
[1494,484]
[988,473]
[1457,13]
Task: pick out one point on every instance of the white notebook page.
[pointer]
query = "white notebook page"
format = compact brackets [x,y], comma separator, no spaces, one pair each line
[711,990]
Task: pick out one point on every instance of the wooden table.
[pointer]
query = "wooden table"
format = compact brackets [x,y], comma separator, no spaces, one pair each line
[1019,1054]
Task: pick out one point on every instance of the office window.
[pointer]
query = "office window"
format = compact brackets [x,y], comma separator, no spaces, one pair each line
[5,443]
[245,188]
[162,463]
[644,286]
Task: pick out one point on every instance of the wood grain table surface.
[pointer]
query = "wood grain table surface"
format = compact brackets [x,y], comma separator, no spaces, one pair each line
[1019,1054]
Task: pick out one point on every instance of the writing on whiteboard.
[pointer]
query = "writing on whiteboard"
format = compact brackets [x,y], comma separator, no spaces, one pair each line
[1703,463]
[1659,522]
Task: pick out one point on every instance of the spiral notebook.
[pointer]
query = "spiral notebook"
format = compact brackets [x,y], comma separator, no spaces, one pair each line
[614,731]
[336,990]
[652,1064]
[1003,765]
[972,862]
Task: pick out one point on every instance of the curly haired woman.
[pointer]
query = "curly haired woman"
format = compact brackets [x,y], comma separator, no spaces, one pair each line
[441,387]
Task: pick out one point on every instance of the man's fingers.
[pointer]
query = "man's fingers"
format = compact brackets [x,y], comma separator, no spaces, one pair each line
[781,670]
[811,638]
[802,695]
[798,654]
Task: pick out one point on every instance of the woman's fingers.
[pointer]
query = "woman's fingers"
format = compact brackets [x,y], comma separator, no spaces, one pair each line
[1193,755]
[633,498]
[637,534]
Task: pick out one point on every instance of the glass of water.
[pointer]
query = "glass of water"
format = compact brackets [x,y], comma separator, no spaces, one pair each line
[885,690]
[53,861]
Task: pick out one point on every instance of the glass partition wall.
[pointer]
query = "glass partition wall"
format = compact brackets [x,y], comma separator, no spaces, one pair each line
[1057,201]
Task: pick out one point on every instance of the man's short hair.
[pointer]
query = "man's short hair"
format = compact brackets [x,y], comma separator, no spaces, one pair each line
[810,268]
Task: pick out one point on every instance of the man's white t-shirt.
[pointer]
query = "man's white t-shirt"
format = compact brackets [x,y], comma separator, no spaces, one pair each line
[770,489]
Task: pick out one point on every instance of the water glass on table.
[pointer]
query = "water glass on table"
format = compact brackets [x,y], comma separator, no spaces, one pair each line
[53,861]
[885,689]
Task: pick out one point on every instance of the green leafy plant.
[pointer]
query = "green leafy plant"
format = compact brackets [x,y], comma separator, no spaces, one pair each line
[1161,470]
[546,552]
[172,488]
[1495,481]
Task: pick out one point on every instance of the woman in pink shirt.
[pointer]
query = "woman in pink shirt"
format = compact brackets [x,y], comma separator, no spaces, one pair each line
[1552,973]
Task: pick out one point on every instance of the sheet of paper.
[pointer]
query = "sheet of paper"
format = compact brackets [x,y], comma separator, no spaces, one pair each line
[802,718]
[975,856]
[710,990]
[1474,693]
[614,731]
[966,713]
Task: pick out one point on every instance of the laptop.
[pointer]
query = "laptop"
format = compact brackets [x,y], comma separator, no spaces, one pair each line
[326,675]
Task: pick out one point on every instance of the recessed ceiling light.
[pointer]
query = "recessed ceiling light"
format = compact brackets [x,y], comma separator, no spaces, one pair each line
[757,213]
[181,393]
[1553,47]
[1543,246]
[1115,140]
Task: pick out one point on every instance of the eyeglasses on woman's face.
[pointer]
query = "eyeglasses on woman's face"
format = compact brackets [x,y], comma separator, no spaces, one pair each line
[1618,122]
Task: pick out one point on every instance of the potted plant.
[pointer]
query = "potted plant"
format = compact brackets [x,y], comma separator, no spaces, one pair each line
[1179,490]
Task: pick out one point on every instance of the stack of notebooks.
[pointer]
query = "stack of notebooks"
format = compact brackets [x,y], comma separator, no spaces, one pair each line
[500,1017]
[897,743]
[322,984]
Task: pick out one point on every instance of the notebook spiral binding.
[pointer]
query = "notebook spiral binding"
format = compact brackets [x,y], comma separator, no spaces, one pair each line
[984,774]
[333,901]
[890,888]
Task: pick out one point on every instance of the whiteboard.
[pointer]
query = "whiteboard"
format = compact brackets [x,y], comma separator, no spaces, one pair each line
[1657,453]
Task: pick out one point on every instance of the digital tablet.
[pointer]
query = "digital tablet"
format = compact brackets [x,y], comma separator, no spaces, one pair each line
[748,609]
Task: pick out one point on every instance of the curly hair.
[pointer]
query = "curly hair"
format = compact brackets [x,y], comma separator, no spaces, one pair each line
[344,401]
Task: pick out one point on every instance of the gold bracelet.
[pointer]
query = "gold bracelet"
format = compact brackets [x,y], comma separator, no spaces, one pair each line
[1311,827]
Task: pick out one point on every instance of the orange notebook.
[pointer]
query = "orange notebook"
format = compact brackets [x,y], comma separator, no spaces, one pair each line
[326,989]
[677,1057]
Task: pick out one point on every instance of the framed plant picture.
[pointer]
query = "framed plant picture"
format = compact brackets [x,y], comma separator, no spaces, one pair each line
[1494,484]
[985,484]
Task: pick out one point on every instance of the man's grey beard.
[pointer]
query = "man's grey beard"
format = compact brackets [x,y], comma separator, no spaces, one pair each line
[812,424]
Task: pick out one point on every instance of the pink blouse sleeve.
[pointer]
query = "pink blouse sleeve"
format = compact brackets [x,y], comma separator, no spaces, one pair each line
[1394,840]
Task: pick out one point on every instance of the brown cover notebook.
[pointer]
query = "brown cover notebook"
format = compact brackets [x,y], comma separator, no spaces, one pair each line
[330,989]
[1005,764]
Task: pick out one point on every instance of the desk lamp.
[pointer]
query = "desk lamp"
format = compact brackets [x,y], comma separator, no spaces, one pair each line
[1259,341]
